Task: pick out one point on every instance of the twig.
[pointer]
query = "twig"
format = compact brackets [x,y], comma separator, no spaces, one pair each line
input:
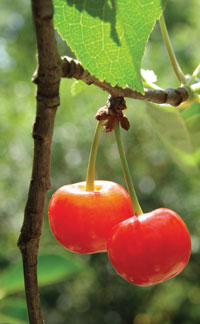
[72,68]
[47,79]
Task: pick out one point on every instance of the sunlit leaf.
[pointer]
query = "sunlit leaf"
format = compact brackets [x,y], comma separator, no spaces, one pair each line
[108,36]
[149,75]
[78,87]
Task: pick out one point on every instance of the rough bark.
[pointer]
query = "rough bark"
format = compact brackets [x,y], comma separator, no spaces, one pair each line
[47,78]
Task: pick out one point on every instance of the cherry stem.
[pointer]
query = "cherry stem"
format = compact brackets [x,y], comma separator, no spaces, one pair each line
[92,159]
[177,69]
[126,172]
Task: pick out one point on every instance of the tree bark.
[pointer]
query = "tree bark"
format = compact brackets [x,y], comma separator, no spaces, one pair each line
[47,78]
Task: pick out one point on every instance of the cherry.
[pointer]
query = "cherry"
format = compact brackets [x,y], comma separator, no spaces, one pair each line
[81,220]
[150,248]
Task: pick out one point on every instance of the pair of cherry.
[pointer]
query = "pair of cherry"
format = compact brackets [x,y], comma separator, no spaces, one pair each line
[98,216]
[145,249]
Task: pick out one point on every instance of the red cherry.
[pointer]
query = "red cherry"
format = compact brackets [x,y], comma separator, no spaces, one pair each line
[150,248]
[81,220]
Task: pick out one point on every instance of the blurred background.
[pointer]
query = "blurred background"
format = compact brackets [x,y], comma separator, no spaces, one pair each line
[163,151]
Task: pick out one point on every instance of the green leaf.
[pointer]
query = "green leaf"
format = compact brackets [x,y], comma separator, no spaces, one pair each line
[108,36]
[13,310]
[78,87]
[51,268]
[180,132]
[191,111]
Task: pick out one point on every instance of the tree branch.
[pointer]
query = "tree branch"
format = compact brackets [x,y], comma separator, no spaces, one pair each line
[72,68]
[47,79]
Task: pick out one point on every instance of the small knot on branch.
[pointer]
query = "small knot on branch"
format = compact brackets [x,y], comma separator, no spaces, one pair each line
[176,96]
[112,113]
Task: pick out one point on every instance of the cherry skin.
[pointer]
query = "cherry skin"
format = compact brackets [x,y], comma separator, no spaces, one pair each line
[150,248]
[82,220]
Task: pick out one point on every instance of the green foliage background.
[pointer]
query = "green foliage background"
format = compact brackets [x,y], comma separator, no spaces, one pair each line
[86,289]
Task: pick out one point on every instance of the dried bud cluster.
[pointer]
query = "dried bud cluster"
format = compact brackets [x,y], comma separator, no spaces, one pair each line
[112,113]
